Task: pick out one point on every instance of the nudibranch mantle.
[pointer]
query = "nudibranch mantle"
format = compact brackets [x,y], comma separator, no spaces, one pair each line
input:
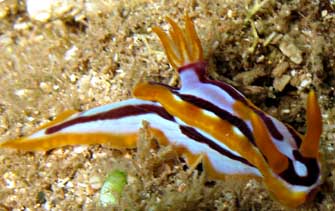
[205,120]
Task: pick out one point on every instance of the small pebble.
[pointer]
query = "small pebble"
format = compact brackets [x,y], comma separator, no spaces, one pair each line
[280,69]
[280,83]
[289,49]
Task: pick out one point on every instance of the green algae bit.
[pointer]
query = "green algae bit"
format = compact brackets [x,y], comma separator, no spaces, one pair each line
[112,188]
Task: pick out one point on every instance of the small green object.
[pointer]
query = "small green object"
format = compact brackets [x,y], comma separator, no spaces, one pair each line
[41,197]
[112,188]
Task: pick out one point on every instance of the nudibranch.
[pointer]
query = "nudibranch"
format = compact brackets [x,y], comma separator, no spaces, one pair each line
[205,120]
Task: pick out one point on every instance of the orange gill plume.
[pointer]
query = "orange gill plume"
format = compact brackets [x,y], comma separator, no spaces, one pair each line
[183,45]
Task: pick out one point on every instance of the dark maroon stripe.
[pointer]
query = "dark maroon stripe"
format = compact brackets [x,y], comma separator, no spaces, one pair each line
[295,135]
[269,125]
[200,70]
[196,136]
[313,171]
[237,122]
[125,111]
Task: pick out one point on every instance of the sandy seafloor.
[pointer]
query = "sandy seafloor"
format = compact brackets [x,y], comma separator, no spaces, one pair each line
[90,53]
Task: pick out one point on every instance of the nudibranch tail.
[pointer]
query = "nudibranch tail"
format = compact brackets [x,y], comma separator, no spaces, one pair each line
[310,143]
[47,142]
[59,118]
[183,45]
[116,125]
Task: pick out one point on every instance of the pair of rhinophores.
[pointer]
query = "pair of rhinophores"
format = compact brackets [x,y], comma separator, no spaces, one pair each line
[205,120]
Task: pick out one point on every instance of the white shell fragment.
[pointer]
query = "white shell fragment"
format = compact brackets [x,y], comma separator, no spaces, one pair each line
[48,9]
[289,49]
